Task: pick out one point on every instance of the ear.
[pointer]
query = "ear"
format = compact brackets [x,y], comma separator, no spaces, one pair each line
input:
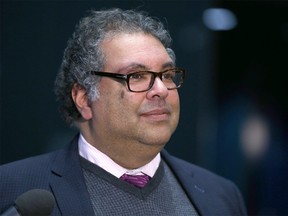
[81,101]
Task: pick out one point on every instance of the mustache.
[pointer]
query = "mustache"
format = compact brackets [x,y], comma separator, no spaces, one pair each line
[156,107]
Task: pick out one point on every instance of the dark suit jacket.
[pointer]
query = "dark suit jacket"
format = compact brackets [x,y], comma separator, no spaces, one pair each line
[60,172]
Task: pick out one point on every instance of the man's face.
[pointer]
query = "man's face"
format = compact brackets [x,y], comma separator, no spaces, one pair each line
[122,118]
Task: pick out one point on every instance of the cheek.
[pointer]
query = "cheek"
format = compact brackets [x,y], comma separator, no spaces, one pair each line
[174,99]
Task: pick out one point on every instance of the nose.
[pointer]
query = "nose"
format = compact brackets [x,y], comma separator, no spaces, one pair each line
[158,89]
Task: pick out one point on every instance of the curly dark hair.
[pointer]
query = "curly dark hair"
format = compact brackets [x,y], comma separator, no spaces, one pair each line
[83,52]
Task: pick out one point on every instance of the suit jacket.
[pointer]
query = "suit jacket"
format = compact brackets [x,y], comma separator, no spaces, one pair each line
[60,172]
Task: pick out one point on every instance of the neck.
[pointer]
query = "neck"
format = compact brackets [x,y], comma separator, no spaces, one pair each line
[130,155]
[133,158]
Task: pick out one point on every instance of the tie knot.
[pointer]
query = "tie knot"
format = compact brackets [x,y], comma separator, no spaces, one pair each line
[136,180]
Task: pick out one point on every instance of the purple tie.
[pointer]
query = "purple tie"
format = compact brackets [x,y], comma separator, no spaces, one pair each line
[136,180]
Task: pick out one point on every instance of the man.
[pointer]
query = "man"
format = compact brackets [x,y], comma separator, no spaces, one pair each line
[118,85]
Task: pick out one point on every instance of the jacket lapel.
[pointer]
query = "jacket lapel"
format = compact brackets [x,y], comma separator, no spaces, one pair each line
[68,184]
[193,187]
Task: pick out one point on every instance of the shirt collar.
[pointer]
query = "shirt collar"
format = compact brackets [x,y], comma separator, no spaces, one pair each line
[97,157]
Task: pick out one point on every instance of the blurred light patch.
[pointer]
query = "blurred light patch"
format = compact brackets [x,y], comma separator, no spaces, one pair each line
[219,19]
[255,136]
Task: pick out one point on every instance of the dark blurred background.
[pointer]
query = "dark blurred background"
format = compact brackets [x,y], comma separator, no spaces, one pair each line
[233,103]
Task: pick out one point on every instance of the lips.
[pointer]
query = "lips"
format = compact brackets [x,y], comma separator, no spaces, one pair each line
[157,114]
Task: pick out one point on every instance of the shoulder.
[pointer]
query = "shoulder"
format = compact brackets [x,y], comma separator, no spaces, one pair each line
[35,170]
[36,164]
[198,174]
[189,168]
[26,173]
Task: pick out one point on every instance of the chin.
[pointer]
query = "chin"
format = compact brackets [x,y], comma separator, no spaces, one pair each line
[156,134]
[157,140]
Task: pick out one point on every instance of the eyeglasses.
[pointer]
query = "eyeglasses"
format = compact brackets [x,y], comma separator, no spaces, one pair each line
[142,81]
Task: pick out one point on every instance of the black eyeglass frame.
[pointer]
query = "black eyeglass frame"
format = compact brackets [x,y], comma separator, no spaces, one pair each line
[126,77]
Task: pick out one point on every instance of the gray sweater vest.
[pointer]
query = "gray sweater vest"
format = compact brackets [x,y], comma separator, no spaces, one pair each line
[109,195]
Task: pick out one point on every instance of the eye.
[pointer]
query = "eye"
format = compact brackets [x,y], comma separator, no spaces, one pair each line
[139,76]
[136,76]
[168,75]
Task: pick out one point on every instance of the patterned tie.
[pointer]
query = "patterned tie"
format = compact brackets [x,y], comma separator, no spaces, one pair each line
[136,180]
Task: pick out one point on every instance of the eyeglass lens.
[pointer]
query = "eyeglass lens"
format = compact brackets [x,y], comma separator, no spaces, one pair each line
[144,80]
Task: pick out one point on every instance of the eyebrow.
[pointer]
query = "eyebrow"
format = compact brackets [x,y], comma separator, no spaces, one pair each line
[143,67]
[168,64]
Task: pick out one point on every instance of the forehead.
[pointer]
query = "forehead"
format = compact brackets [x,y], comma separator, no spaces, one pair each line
[143,49]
